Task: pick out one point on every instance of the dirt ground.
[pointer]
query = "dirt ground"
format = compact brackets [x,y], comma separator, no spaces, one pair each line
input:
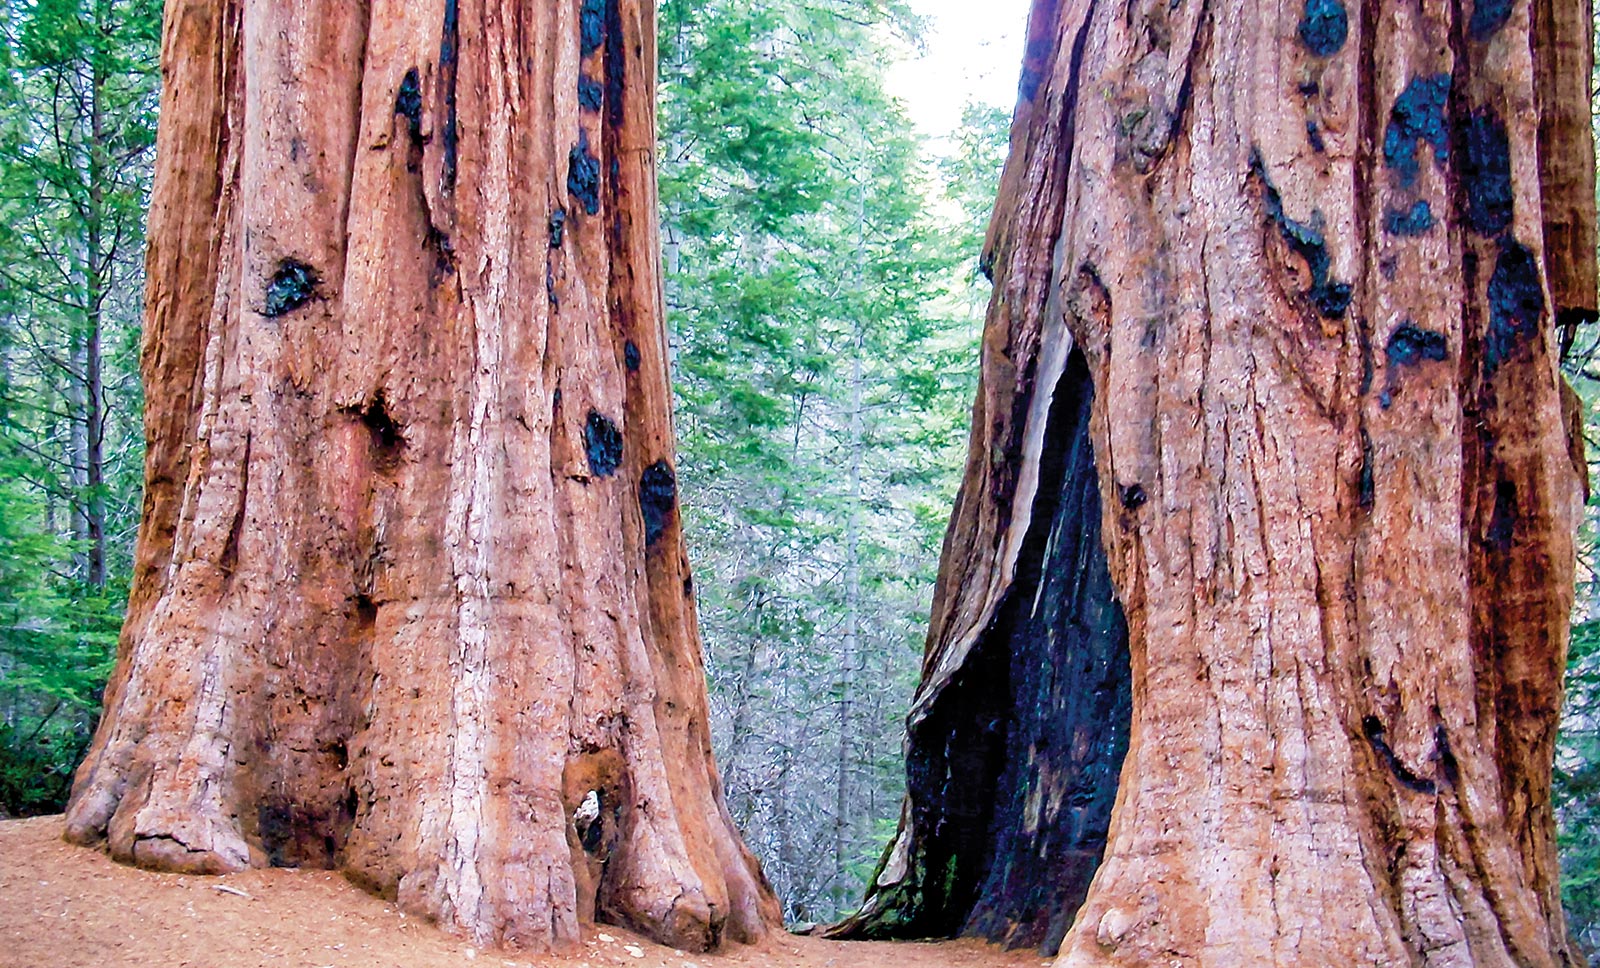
[65,907]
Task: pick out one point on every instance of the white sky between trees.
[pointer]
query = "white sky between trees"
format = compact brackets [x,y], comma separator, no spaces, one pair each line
[972,51]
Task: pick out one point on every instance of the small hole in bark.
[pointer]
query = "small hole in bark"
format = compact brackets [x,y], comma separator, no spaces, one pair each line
[293,284]
[558,224]
[1314,137]
[630,356]
[386,440]
[1133,496]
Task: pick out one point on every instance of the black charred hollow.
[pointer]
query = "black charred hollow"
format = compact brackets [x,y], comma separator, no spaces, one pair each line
[1372,727]
[558,227]
[1488,16]
[1410,344]
[449,56]
[1414,221]
[1503,522]
[293,284]
[1418,115]
[658,499]
[583,175]
[1367,484]
[1314,137]
[408,104]
[591,26]
[591,94]
[1485,168]
[616,63]
[602,443]
[1305,239]
[1324,27]
[1516,303]
[630,356]
[1034,724]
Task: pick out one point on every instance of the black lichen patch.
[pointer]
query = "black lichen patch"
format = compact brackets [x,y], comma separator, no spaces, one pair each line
[1418,115]
[630,356]
[1374,732]
[1307,241]
[408,104]
[293,284]
[658,499]
[591,26]
[1410,344]
[583,175]
[1486,173]
[602,442]
[1314,137]
[558,225]
[1324,27]
[1488,16]
[1516,303]
[591,94]
[1503,523]
[1133,496]
[1416,220]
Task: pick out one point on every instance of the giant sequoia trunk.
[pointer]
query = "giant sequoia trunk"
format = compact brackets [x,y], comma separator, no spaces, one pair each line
[1305,264]
[411,597]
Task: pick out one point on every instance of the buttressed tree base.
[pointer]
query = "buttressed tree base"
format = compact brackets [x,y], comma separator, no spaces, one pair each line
[1301,270]
[411,598]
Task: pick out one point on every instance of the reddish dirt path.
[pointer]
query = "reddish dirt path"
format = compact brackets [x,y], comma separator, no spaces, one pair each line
[66,907]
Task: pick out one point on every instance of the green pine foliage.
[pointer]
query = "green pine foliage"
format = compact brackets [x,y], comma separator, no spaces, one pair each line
[824,365]
[79,78]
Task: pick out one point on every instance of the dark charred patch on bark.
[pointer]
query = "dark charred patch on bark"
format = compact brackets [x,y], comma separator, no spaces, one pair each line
[228,563]
[1374,731]
[583,175]
[591,94]
[297,834]
[293,284]
[444,256]
[630,356]
[449,56]
[1488,16]
[1132,496]
[1367,484]
[591,26]
[1045,697]
[1324,27]
[1410,344]
[616,66]
[1503,522]
[408,104]
[658,499]
[1486,173]
[1416,220]
[1314,137]
[1447,757]
[1516,303]
[385,437]
[602,443]
[1418,115]
[558,227]
[1306,240]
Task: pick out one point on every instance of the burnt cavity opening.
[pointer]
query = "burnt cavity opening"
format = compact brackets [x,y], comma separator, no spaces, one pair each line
[1014,773]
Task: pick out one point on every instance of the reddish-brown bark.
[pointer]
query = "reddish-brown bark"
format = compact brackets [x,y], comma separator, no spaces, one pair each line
[1314,255]
[410,586]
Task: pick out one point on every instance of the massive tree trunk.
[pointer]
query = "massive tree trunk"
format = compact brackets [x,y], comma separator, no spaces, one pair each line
[1303,265]
[411,597]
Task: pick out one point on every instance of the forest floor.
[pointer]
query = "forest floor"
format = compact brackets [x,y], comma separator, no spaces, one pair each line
[67,907]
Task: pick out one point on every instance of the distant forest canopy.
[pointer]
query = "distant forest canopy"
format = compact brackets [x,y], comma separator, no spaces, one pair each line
[824,305]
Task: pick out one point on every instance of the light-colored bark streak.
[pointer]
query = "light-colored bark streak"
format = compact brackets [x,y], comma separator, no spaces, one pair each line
[438,627]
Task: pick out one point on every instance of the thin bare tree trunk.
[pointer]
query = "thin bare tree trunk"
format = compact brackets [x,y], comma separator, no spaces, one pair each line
[1310,256]
[411,599]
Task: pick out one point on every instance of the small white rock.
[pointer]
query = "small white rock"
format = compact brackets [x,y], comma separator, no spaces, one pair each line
[608,939]
[634,950]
